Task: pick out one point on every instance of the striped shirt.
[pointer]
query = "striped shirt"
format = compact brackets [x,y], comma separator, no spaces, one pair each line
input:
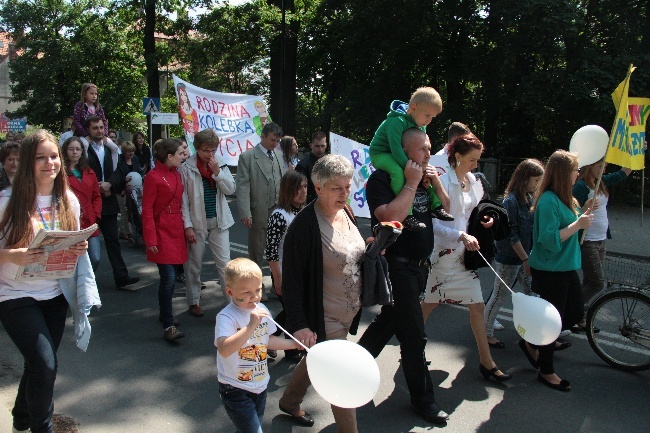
[209,199]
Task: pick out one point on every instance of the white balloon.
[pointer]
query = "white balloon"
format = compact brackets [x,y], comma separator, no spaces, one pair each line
[590,143]
[343,373]
[536,320]
[133,180]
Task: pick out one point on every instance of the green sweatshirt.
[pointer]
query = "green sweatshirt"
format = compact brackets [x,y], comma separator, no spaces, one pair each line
[549,253]
[388,137]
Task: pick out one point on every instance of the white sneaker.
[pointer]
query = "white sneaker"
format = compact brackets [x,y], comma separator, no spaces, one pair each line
[497,326]
[565,333]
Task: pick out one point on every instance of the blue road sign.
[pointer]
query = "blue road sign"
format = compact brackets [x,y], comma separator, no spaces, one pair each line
[150,105]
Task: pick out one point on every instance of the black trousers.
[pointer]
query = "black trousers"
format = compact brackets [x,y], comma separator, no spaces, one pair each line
[564,291]
[108,226]
[404,320]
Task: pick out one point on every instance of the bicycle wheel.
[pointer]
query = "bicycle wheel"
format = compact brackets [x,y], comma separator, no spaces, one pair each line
[624,320]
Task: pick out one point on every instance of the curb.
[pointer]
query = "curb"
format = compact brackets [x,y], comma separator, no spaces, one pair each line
[629,256]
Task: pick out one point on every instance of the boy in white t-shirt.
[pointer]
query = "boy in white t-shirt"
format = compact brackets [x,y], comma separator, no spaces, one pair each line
[243,336]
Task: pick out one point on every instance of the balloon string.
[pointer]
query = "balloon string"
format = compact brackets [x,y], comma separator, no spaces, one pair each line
[285,331]
[495,272]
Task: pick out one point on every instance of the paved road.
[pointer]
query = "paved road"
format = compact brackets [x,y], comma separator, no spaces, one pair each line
[130,380]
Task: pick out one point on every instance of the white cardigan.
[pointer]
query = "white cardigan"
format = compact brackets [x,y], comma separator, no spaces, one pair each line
[194,215]
[446,233]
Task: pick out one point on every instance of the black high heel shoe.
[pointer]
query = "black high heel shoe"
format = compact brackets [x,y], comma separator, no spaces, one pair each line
[487,373]
[564,385]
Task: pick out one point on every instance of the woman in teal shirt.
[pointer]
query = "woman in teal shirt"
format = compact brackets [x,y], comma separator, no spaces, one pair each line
[555,256]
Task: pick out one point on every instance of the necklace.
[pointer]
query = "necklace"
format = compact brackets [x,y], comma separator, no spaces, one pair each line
[461,182]
[53,217]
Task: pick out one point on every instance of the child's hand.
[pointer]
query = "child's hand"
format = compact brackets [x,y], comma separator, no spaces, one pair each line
[256,317]
[431,176]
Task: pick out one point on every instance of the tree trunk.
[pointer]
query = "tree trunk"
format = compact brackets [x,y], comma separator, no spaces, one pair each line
[284,53]
[493,75]
[151,59]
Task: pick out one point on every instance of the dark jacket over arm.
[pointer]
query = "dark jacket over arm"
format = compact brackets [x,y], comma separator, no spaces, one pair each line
[486,237]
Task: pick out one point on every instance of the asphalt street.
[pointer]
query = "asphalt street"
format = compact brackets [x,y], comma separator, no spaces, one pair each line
[131,380]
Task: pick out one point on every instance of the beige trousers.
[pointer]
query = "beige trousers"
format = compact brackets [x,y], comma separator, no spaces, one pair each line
[219,243]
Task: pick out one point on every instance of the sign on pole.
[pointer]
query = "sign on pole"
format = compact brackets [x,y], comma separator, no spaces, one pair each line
[164,118]
[150,105]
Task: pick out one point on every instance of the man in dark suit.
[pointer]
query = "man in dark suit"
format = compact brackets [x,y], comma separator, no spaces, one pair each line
[318,148]
[111,174]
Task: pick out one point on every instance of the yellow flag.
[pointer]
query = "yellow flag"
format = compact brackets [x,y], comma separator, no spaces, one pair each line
[626,142]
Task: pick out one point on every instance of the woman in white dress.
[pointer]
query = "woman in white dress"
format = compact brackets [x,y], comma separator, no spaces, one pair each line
[449,282]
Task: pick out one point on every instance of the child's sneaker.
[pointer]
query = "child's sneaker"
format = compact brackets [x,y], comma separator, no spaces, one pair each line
[412,223]
[441,214]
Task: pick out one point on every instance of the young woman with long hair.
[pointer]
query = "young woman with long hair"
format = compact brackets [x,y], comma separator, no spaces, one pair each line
[33,312]
[162,226]
[512,253]
[143,152]
[593,248]
[289,148]
[555,256]
[292,198]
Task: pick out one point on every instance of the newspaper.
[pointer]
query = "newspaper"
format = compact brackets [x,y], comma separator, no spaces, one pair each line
[59,262]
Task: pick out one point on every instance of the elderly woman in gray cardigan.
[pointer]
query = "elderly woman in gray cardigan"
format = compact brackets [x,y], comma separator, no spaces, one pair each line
[206,214]
[322,281]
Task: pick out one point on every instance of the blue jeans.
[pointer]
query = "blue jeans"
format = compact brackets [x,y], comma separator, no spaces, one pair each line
[36,328]
[245,408]
[94,251]
[165,292]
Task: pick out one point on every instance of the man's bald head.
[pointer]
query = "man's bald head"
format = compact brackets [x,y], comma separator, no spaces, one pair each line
[416,145]
[413,136]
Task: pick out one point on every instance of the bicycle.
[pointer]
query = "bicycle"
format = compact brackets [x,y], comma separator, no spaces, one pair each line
[622,315]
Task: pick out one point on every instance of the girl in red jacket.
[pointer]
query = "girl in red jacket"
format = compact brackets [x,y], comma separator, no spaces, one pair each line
[83,182]
[162,226]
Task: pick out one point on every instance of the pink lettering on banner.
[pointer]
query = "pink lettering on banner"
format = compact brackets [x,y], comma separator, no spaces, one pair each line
[223,109]
[233,147]
[635,114]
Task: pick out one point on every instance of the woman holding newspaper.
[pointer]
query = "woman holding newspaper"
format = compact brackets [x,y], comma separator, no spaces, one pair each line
[33,312]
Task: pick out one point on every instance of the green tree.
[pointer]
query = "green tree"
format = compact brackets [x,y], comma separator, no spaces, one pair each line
[64,44]
[227,49]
